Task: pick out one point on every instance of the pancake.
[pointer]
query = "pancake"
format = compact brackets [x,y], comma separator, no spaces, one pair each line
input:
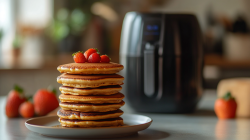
[115,98]
[107,90]
[90,68]
[89,81]
[87,116]
[91,107]
[88,124]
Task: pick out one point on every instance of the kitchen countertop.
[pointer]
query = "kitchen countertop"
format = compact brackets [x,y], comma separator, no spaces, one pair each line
[201,125]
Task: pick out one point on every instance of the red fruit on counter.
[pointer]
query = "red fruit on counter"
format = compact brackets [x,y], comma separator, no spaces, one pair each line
[89,52]
[27,109]
[79,57]
[94,58]
[44,102]
[14,100]
[225,107]
[105,59]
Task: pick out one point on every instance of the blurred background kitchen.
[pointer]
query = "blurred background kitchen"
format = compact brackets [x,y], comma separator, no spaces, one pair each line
[37,36]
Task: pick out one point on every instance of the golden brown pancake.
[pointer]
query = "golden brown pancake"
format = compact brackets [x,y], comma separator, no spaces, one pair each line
[89,81]
[90,68]
[106,90]
[76,115]
[101,99]
[91,107]
[88,124]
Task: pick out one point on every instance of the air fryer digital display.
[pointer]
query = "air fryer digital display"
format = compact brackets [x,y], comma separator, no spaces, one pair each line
[151,29]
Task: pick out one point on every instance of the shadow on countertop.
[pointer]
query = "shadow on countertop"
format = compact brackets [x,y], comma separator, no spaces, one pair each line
[148,134]
[203,113]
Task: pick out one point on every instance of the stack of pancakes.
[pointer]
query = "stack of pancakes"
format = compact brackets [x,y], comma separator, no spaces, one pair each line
[90,95]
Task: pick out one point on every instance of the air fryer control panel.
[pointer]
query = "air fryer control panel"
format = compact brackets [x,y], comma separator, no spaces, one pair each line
[151,30]
[151,37]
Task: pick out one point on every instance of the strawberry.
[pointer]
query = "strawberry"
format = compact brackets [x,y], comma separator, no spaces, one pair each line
[94,58]
[225,107]
[26,109]
[14,100]
[44,102]
[79,57]
[105,59]
[89,52]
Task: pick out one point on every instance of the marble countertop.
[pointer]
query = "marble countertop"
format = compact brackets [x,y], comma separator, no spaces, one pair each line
[201,125]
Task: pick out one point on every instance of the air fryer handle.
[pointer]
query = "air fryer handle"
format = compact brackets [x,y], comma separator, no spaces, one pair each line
[149,70]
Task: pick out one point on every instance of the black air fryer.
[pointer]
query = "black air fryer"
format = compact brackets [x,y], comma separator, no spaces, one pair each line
[163,62]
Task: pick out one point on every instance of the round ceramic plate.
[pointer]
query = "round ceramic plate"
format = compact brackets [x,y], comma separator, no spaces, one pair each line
[49,126]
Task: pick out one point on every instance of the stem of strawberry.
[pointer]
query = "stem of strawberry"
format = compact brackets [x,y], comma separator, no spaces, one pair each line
[29,98]
[18,89]
[52,89]
[77,52]
[228,96]
[96,50]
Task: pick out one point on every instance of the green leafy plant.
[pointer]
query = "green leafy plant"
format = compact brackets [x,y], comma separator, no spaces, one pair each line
[17,41]
[1,34]
[67,22]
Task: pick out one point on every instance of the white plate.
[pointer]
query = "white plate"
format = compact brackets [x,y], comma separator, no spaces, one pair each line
[49,126]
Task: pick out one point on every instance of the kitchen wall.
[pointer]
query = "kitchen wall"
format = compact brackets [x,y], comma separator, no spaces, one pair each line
[32,74]
[29,79]
[231,8]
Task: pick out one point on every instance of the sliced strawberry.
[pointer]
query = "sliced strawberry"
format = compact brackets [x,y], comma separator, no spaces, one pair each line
[79,57]
[94,58]
[105,59]
[89,52]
